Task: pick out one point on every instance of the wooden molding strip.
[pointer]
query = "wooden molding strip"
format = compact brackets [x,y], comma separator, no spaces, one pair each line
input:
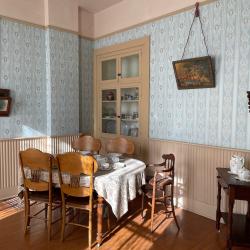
[37,137]
[198,145]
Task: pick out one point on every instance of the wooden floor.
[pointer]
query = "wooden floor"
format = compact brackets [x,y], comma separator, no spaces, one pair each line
[196,233]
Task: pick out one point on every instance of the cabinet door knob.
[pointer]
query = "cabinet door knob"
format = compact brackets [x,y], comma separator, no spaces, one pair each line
[119,74]
[118,116]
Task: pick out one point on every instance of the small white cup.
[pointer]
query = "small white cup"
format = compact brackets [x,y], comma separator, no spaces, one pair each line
[105,166]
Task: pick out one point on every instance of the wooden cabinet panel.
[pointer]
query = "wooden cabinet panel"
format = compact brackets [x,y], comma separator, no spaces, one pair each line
[121,92]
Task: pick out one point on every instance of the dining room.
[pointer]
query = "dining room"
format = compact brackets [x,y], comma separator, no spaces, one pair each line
[124,124]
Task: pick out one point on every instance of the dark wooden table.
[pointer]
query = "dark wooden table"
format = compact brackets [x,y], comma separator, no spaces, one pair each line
[238,226]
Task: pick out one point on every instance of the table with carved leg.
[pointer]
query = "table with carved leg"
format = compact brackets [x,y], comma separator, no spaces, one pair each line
[238,225]
[117,188]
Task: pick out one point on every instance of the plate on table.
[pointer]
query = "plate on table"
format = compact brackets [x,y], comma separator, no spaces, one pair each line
[119,165]
[114,157]
[105,167]
[85,152]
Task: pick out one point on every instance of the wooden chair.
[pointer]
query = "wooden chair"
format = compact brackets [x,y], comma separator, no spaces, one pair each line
[156,190]
[120,145]
[87,143]
[74,195]
[37,190]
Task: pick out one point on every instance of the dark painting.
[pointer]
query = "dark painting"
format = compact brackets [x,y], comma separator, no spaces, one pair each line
[194,73]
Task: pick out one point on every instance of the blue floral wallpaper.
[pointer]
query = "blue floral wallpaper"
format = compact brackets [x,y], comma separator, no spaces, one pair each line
[86,85]
[217,116]
[62,78]
[41,68]
[22,69]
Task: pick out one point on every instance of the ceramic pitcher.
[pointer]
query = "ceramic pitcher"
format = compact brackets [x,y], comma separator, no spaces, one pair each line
[236,164]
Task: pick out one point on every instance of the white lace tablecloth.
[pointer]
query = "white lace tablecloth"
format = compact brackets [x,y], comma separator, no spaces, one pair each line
[116,186]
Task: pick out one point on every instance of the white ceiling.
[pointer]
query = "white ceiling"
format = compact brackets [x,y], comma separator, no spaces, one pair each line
[97,5]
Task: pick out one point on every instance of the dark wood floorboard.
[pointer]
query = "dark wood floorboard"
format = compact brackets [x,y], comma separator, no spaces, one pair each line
[196,233]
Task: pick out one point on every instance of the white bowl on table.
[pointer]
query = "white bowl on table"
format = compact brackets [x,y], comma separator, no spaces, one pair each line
[114,157]
[102,162]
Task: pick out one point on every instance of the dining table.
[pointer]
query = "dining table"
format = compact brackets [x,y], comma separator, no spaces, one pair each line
[116,185]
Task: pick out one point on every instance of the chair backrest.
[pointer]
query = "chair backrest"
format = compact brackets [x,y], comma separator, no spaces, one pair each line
[87,143]
[120,145]
[169,163]
[75,165]
[36,161]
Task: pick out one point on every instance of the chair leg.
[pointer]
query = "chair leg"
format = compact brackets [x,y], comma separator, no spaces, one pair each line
[46,212]
[27,210]
[109,227]
[152,213]
[173,208]
[142,205]
[90,229]
[49,220]
[63,221]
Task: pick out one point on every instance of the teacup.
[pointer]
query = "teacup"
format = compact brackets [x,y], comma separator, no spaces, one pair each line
[114,159]
[105,166]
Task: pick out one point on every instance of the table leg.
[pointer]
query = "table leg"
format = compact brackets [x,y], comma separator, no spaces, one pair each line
[99,220]
[230,219]
[248,210]
[218,211]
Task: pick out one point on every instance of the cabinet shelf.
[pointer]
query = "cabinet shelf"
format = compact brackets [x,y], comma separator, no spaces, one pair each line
[109,118]
[130,120]
[106,101]
[129,101]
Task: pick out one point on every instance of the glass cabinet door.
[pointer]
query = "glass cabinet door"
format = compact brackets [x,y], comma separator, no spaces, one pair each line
[109,99]
[130,112]
[130,66]
[108,70]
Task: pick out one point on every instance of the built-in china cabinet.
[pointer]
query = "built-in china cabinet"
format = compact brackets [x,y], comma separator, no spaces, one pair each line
[121,92]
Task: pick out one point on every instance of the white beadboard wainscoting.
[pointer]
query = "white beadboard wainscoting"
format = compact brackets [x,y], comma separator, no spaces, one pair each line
[9,158]
[196,184]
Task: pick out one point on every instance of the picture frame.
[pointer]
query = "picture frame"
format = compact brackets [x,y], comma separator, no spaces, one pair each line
[194,73]
[5,103]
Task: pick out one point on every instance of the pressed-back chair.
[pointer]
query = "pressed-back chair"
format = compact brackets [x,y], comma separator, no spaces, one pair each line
[87,143]
[156,190]
[73,194]
[120,145]
[35,189]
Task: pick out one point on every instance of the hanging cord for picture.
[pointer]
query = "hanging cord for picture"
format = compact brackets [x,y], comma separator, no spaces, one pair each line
[196,14]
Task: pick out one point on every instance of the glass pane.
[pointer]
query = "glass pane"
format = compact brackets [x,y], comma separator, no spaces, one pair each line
[130,112]
[109,111]
[130,66]
[109,69]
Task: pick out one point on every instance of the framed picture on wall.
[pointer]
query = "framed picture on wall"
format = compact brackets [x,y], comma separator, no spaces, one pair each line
[194,73]
[5,103]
